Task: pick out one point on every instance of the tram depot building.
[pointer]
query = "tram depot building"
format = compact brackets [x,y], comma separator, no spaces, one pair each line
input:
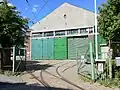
[64,34]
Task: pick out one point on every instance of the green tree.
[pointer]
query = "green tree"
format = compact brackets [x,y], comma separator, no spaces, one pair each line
[12,27]
[109,20]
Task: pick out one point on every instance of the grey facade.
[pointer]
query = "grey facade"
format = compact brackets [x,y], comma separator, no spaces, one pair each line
[65,16]
[65,21]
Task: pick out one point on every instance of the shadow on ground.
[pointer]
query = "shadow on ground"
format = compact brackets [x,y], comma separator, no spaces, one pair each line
[36,65]
[23,86]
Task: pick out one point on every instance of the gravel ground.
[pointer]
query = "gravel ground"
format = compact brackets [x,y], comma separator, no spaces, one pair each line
[53,75]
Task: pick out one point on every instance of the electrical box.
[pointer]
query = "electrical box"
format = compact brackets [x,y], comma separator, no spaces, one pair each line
[117,61]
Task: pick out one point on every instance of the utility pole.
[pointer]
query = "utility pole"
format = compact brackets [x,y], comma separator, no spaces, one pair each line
[96,42]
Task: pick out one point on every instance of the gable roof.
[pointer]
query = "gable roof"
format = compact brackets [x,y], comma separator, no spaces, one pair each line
[65,16]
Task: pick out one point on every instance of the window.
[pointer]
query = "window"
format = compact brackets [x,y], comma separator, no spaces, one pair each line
[73,31]
[37,34]
[48,34]
[83,30]
[91,30]
[59,33]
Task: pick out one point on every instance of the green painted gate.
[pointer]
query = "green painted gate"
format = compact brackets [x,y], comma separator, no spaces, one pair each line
[60,48]
[77,45]
[36,49]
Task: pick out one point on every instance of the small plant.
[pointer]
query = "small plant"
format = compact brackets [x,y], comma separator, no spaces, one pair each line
[106,81]
[10,73]
[85,78]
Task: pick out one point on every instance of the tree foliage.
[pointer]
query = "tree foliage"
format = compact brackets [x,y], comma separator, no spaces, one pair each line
[12,25]
[109,20]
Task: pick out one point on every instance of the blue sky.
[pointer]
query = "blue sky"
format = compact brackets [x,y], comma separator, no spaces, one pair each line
[36,5]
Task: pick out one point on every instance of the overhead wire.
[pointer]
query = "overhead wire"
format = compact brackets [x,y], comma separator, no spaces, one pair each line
[31,10]
[46,2]
[35,16]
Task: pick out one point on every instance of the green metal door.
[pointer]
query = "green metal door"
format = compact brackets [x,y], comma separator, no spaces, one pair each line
[60,48]
[50,48]
[36,49]
[44,49]
[77,45]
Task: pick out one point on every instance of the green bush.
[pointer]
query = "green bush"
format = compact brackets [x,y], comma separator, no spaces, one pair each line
[115,70]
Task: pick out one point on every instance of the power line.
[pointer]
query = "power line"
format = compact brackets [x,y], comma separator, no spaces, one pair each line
[43,7]
[46,2]
[31,10]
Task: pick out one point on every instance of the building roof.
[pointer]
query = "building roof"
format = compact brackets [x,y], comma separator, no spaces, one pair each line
[65,16]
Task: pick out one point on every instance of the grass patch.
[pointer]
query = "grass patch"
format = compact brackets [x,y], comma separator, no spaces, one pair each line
[112,83]
[84,78]
[10,73]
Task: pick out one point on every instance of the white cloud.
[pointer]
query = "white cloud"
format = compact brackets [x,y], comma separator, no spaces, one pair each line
[24,17]
[10,4]
[36,5]
[34,9]
[26,9]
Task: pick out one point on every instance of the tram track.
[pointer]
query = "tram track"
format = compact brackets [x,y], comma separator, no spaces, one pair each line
[58,75]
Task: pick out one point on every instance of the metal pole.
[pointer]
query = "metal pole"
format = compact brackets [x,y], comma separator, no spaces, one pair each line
[96,44]
[30,45]
[13,69]
[92,62]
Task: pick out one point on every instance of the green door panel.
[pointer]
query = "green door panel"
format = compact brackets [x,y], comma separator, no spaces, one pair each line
[36,49]
[45,49]
[77,47]
[50,48]
[60,41]
[60,48]
[61,55]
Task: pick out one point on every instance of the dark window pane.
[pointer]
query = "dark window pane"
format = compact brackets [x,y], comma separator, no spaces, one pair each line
[83,30]
[73,31]
[48,34]
[59,33]
[37,34]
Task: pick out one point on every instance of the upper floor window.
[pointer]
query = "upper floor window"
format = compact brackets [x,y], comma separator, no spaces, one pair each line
[59,33]
[48,34]
[38,34]
[83,30]
[73,31]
